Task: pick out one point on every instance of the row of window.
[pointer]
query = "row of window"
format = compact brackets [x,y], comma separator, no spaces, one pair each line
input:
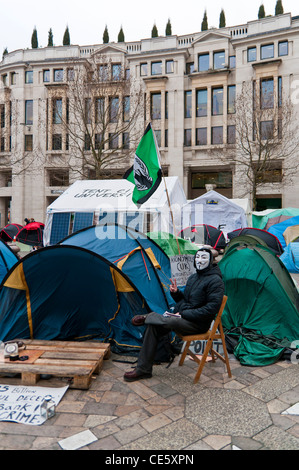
[201,102]
[204,62]
[201,136]
[156,67]
[105,72]
[114,109]
[113,142]
[267,51]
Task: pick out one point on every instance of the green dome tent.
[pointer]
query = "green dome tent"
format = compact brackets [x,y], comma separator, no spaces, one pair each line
[244,240]
[169,243]
[261,316]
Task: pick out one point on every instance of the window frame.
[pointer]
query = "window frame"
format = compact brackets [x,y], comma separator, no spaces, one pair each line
[223,65]
[200,111]
[231,107]
[28,77]
[29,111]
[267,97]
[281,43]
[205,55]
[213,128]
[46,72]
[56,75]
[249,51]
[215,89]
[187,137]
[188,104]
[200,141]
[144,69]
[264,48]
[171,63]
[157,115]
[229,140]
[158,64]
[28,143]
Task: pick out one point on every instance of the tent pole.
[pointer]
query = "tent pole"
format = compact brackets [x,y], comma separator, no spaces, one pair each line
[168,199]
[171,213]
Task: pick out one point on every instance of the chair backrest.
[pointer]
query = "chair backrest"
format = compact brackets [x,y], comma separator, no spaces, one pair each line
[218,316]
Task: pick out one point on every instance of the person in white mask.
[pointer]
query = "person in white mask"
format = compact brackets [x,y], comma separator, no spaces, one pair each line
[193,313]
[202,260]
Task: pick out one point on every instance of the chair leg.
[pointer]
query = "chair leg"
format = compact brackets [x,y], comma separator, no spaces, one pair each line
[225,350]
[184,353]
[203,361]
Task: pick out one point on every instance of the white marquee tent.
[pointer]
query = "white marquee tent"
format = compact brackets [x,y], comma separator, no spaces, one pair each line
[214,209]
[89,202]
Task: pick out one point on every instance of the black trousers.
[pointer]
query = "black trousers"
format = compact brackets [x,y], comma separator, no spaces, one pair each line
[156,327]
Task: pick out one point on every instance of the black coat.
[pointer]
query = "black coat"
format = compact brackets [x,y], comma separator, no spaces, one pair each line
[202,297]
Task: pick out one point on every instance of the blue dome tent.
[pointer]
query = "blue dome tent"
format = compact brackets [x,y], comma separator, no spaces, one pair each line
[7,259]
[278,229]
[290,257]
[135,254]
[68,292]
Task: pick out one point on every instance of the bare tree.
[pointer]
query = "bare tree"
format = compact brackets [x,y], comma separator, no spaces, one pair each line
[21,150]
[266,136]
[101,118]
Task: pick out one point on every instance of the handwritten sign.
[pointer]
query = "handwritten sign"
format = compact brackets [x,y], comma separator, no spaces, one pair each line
[182,266]
[21,404]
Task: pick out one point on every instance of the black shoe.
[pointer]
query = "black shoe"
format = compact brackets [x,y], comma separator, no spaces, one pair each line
[138,320]
[134,375]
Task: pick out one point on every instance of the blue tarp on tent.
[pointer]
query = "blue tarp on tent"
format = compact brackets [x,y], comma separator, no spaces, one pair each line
[7,259]
[139,257]
[278,229]
[290,257]
[67,292]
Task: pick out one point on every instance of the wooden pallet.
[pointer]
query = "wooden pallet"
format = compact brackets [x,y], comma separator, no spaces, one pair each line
[77,361]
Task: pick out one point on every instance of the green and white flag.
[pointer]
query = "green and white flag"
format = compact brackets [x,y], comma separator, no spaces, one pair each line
[146,172]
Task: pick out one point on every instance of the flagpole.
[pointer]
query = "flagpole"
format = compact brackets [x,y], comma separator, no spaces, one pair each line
[167,194]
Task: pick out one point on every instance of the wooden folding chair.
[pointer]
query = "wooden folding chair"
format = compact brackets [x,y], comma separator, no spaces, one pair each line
[209,336]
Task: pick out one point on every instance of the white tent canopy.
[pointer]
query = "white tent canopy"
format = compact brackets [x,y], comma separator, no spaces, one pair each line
[89,202]
[214,209]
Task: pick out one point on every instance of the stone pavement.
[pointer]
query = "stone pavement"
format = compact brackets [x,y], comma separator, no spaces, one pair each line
[168,412]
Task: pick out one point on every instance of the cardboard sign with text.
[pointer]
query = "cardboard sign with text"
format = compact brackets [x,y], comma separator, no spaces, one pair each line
[181,268]
[21,404]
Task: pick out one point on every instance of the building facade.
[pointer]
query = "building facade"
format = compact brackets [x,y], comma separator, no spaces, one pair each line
[189,83]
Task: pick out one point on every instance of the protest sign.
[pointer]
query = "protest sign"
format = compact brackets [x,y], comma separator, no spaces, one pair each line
[182,266]
[21,404]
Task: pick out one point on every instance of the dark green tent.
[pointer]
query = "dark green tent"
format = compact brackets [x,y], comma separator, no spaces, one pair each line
[261,316]
[244,240]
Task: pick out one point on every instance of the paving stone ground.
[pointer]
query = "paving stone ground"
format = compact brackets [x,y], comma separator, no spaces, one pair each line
[169,412]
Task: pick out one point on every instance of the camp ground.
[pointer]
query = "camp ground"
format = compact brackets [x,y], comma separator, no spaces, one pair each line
[87,203]
[68,292]
[261,317]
